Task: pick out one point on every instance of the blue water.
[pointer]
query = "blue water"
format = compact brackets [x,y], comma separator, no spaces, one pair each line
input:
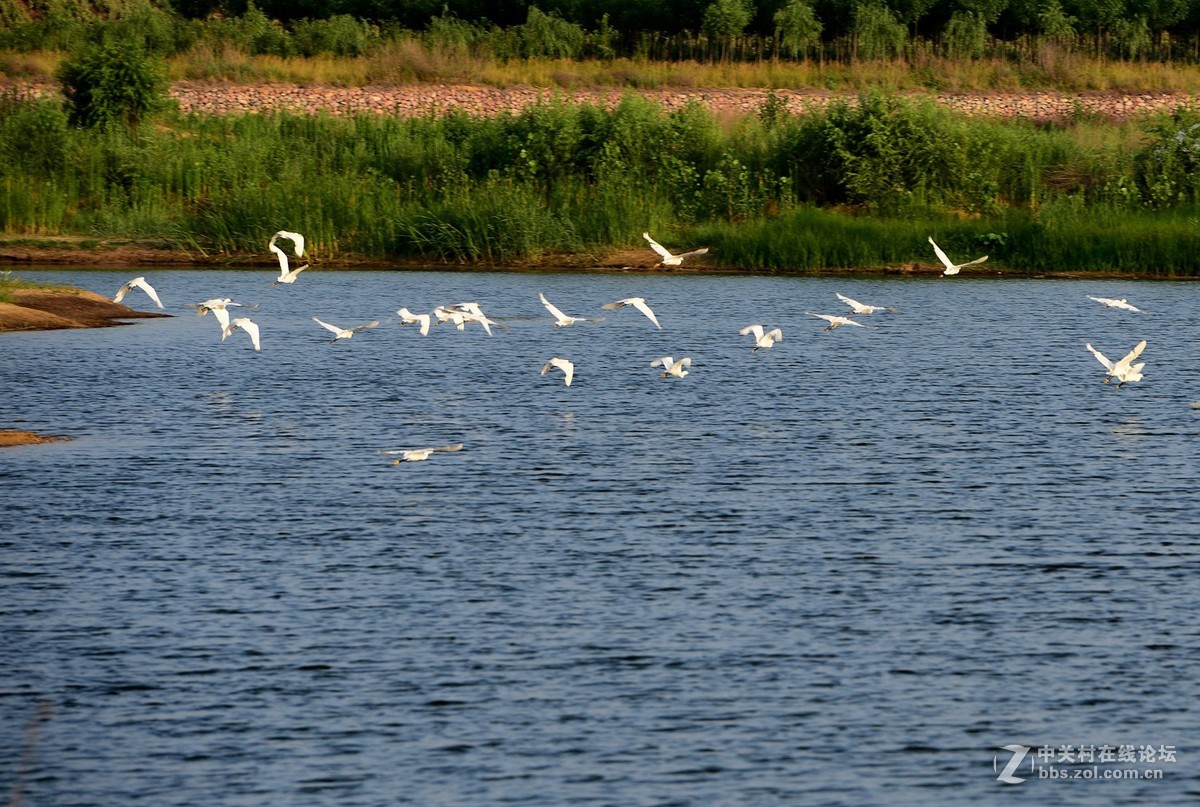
[842,571]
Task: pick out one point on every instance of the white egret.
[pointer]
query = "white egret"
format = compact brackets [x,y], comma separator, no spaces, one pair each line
[860,308]
[246,325]
[637,302]
[952,268]
[561,320]
[138,282]
[219,308]
[445,314]
[286,276]
[218,303]
[566,366]
[1125,371]
[1109,302]
[762,339]
[667,258]
[672,367]
[409,318]
[344,333]
[834,321]
[471,312]
[418,454]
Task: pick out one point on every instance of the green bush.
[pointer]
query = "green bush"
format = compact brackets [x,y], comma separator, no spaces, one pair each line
[113,82]
[33,137]
[549,36]
[1167,170]
[339,35]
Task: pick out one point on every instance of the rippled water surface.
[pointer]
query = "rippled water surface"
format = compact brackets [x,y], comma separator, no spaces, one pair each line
[845,570]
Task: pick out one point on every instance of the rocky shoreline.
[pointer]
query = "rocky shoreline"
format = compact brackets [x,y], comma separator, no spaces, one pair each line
[408,100]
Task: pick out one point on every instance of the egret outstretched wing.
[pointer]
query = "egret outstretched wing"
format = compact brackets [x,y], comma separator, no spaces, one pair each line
[553,309]
[1110,302]
[1124,364]
[326,325]
[566,366]
[138,283]
[638,303]
[409,318]
[657,247]
[246,325]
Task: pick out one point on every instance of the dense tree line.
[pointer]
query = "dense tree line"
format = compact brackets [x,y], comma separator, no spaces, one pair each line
[655,28]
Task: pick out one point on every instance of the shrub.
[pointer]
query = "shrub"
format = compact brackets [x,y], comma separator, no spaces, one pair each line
[340,35]
[1167,171]
[33,137]
[549,36]
[113,82]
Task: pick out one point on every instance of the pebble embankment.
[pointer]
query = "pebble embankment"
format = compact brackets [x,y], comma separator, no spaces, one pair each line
[424,99]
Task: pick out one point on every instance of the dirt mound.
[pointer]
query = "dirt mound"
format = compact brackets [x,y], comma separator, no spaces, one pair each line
[42,309]
[15,437]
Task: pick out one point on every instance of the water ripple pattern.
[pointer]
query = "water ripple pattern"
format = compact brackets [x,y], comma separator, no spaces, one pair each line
[842,571]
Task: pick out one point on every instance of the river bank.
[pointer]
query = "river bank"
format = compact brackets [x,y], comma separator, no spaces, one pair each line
[418,100]
[564,187]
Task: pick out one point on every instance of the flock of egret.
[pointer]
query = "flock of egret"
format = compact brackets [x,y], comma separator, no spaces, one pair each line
[461,314]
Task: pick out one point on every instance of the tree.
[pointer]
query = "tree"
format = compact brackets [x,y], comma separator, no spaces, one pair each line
[797,28]
[726,19]
[877,32]
[1055,23]
[111,83]
[965,36]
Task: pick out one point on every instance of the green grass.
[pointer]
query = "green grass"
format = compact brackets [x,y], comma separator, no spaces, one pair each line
[10,283]
[1146,243]
[410,60]
[857,186]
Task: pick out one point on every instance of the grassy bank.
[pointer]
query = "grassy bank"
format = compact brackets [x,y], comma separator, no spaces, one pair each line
[851,186]
[1065,71]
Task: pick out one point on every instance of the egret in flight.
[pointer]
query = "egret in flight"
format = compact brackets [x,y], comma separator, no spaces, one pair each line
[218,303]
[566,366]
[834,321]
[561,320]
[951,267]
[409,318]
[286,276]
[1109,302]
[672,367]
[418,454]
[245,324]
[471,312]
[1125,371]
[138,282]
[638,303]
[860,308]
[445,314]
[762,339]
[344,333]
[219,308]
[667,258]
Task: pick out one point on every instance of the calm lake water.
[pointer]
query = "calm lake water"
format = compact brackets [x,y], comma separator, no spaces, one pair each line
[843,571]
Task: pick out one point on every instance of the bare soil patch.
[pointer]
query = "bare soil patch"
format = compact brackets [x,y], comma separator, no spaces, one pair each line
[52,250]
[15,437]
[41,309]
